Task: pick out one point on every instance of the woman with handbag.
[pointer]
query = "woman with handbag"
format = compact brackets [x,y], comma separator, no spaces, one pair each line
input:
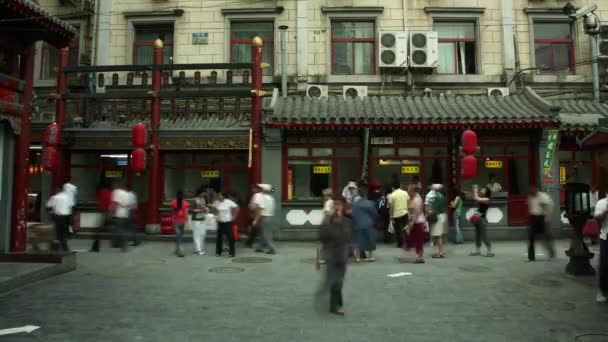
[482,196]
[180,217]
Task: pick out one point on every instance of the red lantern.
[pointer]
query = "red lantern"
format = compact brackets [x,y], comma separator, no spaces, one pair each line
[49,158]
[138,137]
[52,135]
[468,167]
[469,142]
[138,160]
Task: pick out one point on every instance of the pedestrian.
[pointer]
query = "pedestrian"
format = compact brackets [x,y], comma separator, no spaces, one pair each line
[398,204]
[350,191]
[381,200]
[601,215]
[132,215]
[61,205]
[254,210]
[479,220]
[436,206]
[121,207]
[328,202]
[540,208]
[335,235]
[227,211]
[365,217]
[104,205]
[72,190]
[180,217]
[594,196]
[199,222]
[456,204]
[414,233]
[264,220]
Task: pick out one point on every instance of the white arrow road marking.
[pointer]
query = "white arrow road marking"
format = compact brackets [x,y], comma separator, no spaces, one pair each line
[26,329]
[400,274]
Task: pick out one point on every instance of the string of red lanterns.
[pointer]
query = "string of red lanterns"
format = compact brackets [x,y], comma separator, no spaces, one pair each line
[468,164]
[138,156]
[52,137]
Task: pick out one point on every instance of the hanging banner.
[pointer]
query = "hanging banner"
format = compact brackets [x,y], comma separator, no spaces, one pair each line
[321,170]
[289,184]
[562,175]
[493,164]
[551,141]
[411,169]
[210,174]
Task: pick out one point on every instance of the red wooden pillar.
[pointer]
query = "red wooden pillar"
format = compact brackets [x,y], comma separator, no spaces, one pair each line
[155,183]
[22,156]
[59,174]
[255,172]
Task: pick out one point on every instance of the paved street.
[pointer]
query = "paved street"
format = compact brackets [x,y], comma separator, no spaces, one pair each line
[149,295]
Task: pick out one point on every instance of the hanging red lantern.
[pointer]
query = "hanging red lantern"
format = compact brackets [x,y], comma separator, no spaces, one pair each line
[468,167]
[138,138]
[469,142]
[138,160]
[52,135]
[49,158]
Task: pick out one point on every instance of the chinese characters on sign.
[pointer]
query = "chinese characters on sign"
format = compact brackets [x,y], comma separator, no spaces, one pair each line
[493,164]
[562,175]
[200,38]
[382,140]
[113,174]
[410,169]
[321,169]
[210,174]
[551,139]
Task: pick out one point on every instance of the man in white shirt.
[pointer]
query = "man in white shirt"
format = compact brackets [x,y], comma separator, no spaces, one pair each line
[601,215]
[121,209]
[264,206]
[254,208]
[540,207]
[132,212]
[61,205]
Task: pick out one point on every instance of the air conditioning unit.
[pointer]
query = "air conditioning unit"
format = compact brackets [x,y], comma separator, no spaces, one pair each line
[498,91]
[393,49]
[424,48]
[316,90]
[353,92]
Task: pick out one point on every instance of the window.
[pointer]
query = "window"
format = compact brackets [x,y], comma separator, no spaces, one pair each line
[457,50]
[241,34]
[50,57]
[352,48]
[554,47]
[145,35]
[310,170]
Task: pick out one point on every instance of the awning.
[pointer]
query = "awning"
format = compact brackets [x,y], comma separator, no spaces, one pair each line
[30,22]
[521,110]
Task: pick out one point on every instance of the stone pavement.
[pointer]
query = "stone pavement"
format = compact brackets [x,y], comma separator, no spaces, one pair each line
[147,294]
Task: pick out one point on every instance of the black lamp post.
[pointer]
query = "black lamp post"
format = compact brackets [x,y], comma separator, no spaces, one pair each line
[578,211]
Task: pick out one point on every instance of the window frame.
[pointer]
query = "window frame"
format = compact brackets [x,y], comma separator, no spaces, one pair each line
[372,40]
[151,44]
[556,19]
[151,20]
[272,40]
[476,40]
[334,158]
[41,46]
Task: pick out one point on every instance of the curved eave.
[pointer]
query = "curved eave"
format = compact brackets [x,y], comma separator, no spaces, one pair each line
[349,124]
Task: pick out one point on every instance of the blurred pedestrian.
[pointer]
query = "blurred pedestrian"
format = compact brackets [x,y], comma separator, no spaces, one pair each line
[540,208]
[227,210]
[328,202]
[479,220]
[132,216]
[601,215]
[335,234]
[121,207]
[61,205]
[436,206]
[414,234]
[350,191]
[254,210]
[398,204]
[199,224]
[365,217]
[456,204]
[263,219]
[104,206]
[180,217]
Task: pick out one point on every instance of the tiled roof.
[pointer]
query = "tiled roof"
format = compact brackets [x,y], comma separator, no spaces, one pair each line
[55,30]
[581,114]
[449,109]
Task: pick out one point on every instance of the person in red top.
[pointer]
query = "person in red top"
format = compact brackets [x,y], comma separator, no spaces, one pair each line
[180,217]
[104,205]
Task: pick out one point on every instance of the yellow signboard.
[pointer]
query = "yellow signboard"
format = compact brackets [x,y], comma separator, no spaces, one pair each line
[562,175]
[411,169]
[321,170]
[210,174]
[113,174]
[493,164]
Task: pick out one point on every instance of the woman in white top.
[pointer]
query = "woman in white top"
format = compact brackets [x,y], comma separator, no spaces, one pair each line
[226,211]
[199,224]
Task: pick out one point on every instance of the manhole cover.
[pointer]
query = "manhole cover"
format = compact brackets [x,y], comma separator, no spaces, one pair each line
[543,282]
[545,305]
[251,260]
[226,269]
[475,268]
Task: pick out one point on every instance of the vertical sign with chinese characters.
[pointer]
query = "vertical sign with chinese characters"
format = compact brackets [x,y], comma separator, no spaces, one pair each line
[551,141]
